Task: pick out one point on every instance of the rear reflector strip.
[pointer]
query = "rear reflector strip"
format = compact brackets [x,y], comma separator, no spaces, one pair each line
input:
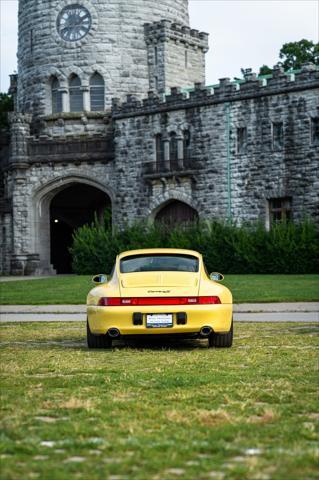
[136,301]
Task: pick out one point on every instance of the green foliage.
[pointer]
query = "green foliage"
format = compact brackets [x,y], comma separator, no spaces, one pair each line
[294,54]
[265,70]
[6,105]
[286,248]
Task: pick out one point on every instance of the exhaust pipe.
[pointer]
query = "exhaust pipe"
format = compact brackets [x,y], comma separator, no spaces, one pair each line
[206,331]
[113,333]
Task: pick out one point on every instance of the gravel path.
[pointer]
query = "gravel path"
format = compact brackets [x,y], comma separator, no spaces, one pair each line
[238,317]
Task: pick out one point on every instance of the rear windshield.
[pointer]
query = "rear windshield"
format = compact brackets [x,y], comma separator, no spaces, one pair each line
[159,263]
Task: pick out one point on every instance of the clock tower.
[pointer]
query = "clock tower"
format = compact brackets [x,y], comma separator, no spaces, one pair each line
[76,55]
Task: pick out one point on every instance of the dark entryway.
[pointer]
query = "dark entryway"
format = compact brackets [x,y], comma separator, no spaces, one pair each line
[71,208]
[176,212]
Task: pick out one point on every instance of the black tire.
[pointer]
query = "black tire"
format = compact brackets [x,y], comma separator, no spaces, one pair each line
[97,341]
[221,340]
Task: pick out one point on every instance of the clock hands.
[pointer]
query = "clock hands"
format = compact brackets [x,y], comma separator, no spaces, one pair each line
[73,23]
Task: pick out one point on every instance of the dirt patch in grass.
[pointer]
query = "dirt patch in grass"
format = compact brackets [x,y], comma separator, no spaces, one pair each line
[267,417]
[210,418]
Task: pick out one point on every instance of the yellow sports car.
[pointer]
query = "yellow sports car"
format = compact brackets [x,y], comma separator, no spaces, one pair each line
[159,291]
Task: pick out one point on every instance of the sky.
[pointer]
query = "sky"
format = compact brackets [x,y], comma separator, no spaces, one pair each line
[243,33]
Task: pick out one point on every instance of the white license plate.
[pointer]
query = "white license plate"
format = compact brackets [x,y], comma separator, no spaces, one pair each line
[159,320]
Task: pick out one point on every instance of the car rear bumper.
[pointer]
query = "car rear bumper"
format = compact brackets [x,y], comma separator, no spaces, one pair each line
[218,317]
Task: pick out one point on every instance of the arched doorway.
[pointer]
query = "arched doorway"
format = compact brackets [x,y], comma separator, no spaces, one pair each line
[71,208]
[176,212]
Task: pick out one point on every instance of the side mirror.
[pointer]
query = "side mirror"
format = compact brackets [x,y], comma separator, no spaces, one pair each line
[101,278]
[216,277]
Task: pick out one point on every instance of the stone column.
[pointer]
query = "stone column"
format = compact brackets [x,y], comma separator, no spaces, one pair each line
[21,261]
[18,264]
[65,99]
[86,98]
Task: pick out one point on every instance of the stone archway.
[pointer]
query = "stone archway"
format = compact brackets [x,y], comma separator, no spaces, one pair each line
[59,208]
[176,212]
[71,208]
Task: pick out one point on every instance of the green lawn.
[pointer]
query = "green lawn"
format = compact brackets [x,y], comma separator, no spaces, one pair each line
[159,411]
[245,288]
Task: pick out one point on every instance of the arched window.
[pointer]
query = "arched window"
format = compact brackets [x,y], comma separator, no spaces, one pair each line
[187,142]
[56,96]
[173,151]
[159,153]
[76,94]
[97,92]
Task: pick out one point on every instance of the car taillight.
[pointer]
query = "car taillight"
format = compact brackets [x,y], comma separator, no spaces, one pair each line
[208,300]
[140,301]
[109,302]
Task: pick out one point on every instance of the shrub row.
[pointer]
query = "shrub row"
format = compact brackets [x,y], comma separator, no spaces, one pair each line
[285,248]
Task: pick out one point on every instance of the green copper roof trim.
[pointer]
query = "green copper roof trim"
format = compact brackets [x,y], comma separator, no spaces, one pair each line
[238,81]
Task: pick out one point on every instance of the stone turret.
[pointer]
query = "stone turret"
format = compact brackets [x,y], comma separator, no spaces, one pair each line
[176,55]
[61,39]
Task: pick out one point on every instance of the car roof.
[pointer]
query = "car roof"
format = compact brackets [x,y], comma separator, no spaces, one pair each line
[171,251]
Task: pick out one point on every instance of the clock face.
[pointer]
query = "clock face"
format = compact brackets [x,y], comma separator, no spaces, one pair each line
[73,22]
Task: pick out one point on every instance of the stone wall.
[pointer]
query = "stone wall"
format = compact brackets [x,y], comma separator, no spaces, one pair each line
[224,181]
[216,179]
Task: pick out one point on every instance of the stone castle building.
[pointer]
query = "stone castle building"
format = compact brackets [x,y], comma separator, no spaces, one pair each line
[111,111]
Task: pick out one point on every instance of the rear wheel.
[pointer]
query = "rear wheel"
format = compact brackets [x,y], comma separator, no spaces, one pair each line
[221,340]
[97,341]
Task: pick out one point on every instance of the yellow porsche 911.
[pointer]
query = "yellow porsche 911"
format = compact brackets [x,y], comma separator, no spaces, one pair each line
[159,291]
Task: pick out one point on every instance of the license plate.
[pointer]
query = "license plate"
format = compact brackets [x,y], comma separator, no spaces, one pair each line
[159,320]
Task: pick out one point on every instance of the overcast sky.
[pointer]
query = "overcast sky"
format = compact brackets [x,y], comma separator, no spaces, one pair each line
[243,33]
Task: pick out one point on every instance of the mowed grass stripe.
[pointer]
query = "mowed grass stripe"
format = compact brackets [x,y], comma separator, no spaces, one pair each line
[159,410]
[245,288]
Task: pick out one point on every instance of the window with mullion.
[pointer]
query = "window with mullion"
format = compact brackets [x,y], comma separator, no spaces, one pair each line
[76,94]
[97,98]
[280,210]
[159,153]
[173,151]
[241,140]
[56,96]
[315,131]
[277,135]
[187,141]
[97,93]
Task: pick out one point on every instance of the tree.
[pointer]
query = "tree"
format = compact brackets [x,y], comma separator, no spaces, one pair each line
[265,70]
[294,54]
[6,105]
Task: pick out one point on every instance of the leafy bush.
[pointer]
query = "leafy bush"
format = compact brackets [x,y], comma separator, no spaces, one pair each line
[286,248]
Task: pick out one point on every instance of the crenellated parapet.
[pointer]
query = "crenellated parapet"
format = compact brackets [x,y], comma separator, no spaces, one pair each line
[251,86]
[175,54]
[165,30]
